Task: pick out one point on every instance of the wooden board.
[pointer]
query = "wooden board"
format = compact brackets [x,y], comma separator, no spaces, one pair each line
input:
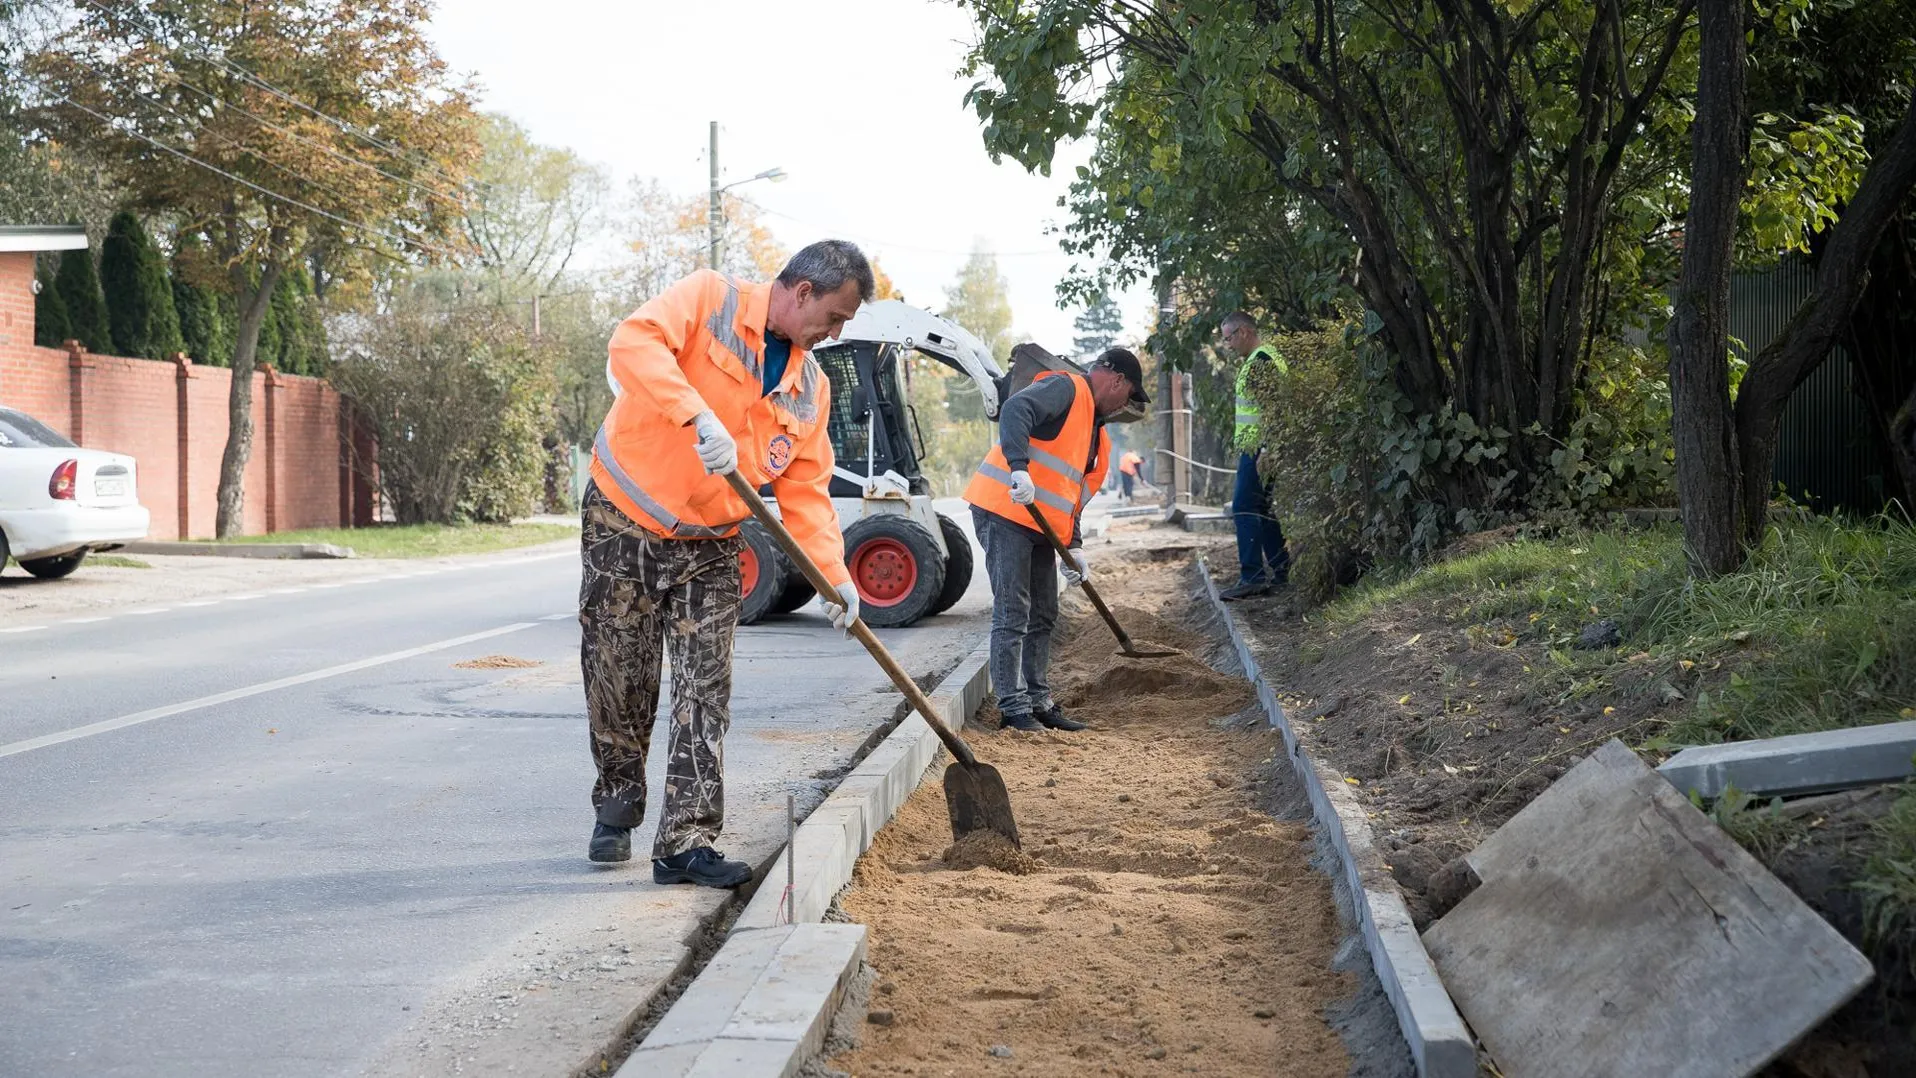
[1618,932]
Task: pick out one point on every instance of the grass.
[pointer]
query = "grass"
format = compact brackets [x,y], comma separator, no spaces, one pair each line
[117,561]
[1889,878]
[424,540]
[1817,632]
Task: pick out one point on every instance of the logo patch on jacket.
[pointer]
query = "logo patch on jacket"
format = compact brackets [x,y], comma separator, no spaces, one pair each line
[779,453]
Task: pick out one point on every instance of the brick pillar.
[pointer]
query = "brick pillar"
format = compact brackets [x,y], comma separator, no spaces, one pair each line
[77,366]
[182,425]
[272,452]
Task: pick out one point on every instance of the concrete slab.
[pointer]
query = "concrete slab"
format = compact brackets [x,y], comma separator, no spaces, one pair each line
[1207,522]
[1798,764]
[760,1007]
[267,551]
[1618,931]
[1440,1045]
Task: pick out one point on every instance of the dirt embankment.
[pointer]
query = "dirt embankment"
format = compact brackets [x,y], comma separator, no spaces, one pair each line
[1168,925]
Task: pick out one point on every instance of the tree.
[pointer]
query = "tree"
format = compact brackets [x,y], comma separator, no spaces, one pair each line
[529,207]
[51,326]
[980,301]
[271,131]
[79,287]
[457,397]
[1098,326]
[204,333]
[1706,449]
[139,298]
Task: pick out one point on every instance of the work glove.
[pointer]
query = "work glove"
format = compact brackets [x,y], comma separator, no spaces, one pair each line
[716,449]
[842,608]
[1023,490]
[1076,568]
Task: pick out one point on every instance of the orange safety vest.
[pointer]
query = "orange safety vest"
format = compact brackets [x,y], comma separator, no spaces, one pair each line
[1066,469]
[698,346]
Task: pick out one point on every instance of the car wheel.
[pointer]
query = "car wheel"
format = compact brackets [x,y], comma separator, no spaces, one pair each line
[896,567]
[957,564]
[761,573]
[4,551]
[54,568]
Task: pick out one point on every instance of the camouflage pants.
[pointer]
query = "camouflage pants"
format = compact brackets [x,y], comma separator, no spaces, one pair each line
[642,596]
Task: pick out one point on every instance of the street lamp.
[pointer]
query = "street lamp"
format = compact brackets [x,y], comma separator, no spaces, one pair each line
[715,216]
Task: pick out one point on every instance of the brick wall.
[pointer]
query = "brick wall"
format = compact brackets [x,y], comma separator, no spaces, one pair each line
[172,418]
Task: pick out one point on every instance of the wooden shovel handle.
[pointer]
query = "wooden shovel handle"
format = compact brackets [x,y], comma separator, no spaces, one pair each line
[816,577]
[1124,639]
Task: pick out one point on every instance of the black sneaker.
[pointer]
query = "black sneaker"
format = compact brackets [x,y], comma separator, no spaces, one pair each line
[1245,589]
[1020,720]
[1053,718]
[611,843]
[702,865]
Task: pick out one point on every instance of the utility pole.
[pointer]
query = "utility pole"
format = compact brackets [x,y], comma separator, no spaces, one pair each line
[1169,472]
[712,216]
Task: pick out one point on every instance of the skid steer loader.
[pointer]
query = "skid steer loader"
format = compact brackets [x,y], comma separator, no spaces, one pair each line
[907,560]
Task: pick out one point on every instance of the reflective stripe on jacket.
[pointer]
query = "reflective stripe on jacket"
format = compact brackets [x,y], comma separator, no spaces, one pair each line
[698,346]
[1245,437]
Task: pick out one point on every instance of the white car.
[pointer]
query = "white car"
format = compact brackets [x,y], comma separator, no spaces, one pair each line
[58,501]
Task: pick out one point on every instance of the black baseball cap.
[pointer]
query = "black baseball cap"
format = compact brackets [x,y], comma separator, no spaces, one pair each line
[1123,362]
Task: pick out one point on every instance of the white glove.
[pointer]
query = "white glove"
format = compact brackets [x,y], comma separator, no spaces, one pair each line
[1077,568]
[1023,490]
[845,610]
[716,449]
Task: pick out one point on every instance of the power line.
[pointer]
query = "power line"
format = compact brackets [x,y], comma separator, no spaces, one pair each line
[876,242]
[235,69]
[190,159]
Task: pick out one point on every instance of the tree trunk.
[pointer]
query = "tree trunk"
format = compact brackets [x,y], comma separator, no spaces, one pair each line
[231,520]
[1806,341]
[1706,449]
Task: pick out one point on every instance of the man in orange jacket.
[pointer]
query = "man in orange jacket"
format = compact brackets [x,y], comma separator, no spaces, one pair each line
[1052,456]
[711,377]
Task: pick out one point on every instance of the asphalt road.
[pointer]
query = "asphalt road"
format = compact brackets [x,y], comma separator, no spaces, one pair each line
[284,831]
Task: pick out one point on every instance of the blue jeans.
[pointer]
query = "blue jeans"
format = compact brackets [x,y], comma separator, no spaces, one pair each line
[1024,607]
[1260,539]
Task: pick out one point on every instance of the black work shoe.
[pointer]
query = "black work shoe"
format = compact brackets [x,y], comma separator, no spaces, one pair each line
[611,843]
[1020,720]
[1245,589]
[702,865]
[1053,718]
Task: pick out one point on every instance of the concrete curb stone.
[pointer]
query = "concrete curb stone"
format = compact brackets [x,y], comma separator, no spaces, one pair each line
[1440,1043]
[1797,763]
[265,551]
[720,1026]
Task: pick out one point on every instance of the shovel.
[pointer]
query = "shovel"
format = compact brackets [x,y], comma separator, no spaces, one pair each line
[975,794]
[1125,647]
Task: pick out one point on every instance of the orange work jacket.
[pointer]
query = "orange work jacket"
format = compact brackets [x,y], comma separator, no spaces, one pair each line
[1066,469]
[698,346]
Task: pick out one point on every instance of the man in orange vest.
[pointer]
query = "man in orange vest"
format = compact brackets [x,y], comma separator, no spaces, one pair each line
[711,377]
[1052,455]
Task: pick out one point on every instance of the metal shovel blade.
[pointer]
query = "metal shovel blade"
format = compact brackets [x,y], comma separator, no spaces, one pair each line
[1135,652]
[976,797]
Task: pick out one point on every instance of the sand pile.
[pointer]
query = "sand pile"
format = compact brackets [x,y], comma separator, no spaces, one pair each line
[498,662]
[988,849]
[1156,921]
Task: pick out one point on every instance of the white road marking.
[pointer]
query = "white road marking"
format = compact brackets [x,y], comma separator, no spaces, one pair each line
[148,610]
[138,717]
[86,621]
[560,617]
[245,598]
[23,629]
[286,591]
[202,602]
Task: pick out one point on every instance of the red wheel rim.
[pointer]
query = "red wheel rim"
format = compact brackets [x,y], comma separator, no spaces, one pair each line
[884,571]
[747,571]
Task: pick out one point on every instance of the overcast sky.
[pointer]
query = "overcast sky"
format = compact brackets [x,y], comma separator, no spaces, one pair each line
[859,101]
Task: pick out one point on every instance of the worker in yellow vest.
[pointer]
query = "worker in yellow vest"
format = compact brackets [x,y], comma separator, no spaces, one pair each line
[1263,563]
[710,377]
[1052,454]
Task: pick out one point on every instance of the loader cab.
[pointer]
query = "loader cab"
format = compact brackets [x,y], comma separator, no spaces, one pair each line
[872,427]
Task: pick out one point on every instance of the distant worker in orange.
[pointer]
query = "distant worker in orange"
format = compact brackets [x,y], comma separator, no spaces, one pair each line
[1128,464]
[1052,454]
[712,376]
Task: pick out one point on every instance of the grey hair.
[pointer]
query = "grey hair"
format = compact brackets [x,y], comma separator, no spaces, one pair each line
[828,264]
[1237,318]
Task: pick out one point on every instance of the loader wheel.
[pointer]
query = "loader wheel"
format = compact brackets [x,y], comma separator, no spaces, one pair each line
[957,564]
[797,592]
[897,569]
[761,573]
